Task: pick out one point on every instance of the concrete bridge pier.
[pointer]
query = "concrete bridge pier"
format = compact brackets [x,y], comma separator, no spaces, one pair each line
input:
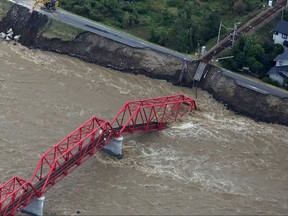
[114,147]
[35,207]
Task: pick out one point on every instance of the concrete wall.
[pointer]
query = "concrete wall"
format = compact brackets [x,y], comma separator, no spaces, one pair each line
[282,63]
[278,38]
[277,77]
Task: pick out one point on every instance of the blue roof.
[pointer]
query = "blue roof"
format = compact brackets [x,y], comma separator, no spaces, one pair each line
[282,27]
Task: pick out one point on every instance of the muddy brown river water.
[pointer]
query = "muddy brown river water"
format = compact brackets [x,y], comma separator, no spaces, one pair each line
[211,162]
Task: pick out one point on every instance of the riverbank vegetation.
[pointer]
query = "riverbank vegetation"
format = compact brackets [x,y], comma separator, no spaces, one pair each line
[4,7]
[182,25]
[57,29]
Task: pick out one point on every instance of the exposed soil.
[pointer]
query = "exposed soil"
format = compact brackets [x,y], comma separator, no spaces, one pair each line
[99,50]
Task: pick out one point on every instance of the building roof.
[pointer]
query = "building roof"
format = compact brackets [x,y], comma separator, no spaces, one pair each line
[284,74]
[283,56]
[282,27]
[280,70]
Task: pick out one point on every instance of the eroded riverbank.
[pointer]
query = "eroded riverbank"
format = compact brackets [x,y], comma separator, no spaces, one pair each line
[102,51]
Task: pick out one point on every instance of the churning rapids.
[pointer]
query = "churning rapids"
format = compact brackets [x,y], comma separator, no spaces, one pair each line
[210,162]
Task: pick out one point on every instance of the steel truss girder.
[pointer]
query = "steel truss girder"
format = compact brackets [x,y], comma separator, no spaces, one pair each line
[151,114]
[137,116]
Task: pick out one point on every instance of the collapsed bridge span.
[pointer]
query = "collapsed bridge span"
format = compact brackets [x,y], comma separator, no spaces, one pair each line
[139,116]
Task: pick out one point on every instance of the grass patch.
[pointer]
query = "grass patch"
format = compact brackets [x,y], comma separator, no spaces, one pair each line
[57,29]
[4,7]
[141,32]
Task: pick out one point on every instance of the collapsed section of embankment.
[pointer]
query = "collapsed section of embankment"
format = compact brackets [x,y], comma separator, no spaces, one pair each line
[97,49]
[262,107]
[93,48]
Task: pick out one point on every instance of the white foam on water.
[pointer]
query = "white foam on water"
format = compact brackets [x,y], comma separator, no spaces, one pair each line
[184,126]
[186,169]
[197,131]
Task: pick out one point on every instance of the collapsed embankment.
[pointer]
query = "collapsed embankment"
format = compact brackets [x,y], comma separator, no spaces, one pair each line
[103,51]
[262,107]
[93,48]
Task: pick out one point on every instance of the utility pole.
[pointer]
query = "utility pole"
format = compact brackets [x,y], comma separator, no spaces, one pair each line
[219,31]
[234,34]
[220,28]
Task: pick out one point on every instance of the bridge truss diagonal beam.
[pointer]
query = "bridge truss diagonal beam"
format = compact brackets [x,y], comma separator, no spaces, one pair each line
[151,114]
[137,116]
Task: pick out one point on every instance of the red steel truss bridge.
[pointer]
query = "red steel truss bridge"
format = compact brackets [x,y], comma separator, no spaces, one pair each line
[139,116]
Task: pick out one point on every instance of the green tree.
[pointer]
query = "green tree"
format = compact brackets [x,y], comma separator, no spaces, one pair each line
[160,36]
[248,52]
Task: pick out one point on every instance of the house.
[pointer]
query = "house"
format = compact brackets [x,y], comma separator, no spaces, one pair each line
[280,71]
[280,35]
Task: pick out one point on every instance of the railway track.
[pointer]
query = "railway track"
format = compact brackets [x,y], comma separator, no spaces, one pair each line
[251,24]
